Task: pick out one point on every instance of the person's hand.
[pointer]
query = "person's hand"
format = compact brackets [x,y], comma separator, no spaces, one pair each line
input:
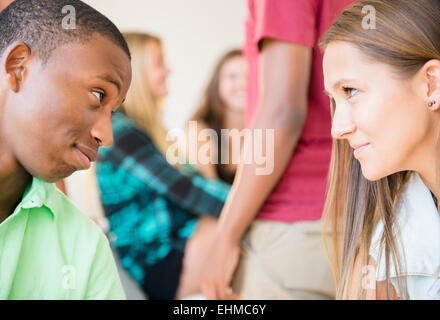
[219,269]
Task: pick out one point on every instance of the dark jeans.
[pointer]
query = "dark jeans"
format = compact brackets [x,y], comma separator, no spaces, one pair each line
[162,279]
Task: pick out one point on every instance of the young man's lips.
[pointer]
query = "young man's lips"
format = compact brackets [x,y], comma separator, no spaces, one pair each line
[86,155]
[84,161]
[90,153]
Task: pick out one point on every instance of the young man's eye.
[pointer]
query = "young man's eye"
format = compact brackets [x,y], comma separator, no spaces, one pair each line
[99,95]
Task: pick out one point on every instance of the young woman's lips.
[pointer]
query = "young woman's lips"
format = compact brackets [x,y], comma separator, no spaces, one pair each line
[359,149]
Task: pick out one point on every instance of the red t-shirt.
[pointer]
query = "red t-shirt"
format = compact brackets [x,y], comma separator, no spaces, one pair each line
[300,193]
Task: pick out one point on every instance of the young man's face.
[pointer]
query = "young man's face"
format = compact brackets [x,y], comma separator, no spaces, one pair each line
[54,123]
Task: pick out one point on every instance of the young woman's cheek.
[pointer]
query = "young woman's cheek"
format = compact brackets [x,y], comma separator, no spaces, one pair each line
[370,114]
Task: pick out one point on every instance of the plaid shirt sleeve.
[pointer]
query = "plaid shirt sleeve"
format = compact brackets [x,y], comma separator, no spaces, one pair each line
[141,165]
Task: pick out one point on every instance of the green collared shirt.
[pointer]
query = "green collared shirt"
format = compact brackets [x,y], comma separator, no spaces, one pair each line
[50,250]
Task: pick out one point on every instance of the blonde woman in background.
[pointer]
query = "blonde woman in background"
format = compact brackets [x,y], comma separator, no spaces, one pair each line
[384,85]
[162,216]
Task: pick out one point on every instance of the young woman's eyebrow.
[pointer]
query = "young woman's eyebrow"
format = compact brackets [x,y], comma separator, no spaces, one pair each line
[340,82]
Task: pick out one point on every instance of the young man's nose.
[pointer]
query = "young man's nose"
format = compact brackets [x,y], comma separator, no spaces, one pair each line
[102,132]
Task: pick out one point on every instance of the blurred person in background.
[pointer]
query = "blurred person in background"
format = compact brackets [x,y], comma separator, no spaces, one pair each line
[162,216]
[222,107]
[268,244]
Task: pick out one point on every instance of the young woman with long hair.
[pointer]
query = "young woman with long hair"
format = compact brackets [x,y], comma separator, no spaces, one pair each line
[382,73]
[222,107]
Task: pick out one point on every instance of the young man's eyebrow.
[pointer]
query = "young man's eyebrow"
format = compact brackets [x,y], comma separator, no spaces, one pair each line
[119,106]
[110,79]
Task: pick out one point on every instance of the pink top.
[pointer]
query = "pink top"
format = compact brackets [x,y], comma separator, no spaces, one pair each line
[300,193]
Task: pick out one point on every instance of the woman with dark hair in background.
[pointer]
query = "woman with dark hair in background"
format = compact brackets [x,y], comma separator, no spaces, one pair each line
[222,107]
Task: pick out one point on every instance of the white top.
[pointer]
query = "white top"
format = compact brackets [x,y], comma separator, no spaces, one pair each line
[419,226]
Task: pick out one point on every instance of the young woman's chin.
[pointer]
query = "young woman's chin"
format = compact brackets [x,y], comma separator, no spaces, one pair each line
[372,173]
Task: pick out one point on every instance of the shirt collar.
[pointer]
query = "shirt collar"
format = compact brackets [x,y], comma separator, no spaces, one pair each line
[39,193]
[419,232]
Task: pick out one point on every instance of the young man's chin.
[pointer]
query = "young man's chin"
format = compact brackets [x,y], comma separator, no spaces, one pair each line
[54,177]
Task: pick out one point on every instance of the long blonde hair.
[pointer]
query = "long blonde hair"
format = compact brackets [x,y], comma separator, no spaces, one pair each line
[406,37]
[140,105]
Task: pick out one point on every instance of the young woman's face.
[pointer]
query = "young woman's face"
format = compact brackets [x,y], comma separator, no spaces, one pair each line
[157,70]
[232,83]
[375,108]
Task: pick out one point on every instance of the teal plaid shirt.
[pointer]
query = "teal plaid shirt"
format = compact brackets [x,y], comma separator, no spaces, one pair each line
[152,207]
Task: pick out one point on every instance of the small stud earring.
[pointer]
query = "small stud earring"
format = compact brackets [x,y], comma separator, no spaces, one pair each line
[431,104]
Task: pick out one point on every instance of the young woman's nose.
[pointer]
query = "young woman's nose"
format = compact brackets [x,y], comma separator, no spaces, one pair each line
[342,124]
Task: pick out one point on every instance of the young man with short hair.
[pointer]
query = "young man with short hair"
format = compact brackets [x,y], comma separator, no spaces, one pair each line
[58,88]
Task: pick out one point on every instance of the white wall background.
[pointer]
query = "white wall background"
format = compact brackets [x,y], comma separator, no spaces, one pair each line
[195,33]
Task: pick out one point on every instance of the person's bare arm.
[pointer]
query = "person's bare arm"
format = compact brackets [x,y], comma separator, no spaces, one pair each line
[206,168]
[284,81]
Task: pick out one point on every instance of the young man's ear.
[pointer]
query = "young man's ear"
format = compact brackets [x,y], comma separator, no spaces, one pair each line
[433,80]
[16,56]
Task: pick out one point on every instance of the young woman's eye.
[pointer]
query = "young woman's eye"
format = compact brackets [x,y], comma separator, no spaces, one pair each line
[99,95]
[350,91]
